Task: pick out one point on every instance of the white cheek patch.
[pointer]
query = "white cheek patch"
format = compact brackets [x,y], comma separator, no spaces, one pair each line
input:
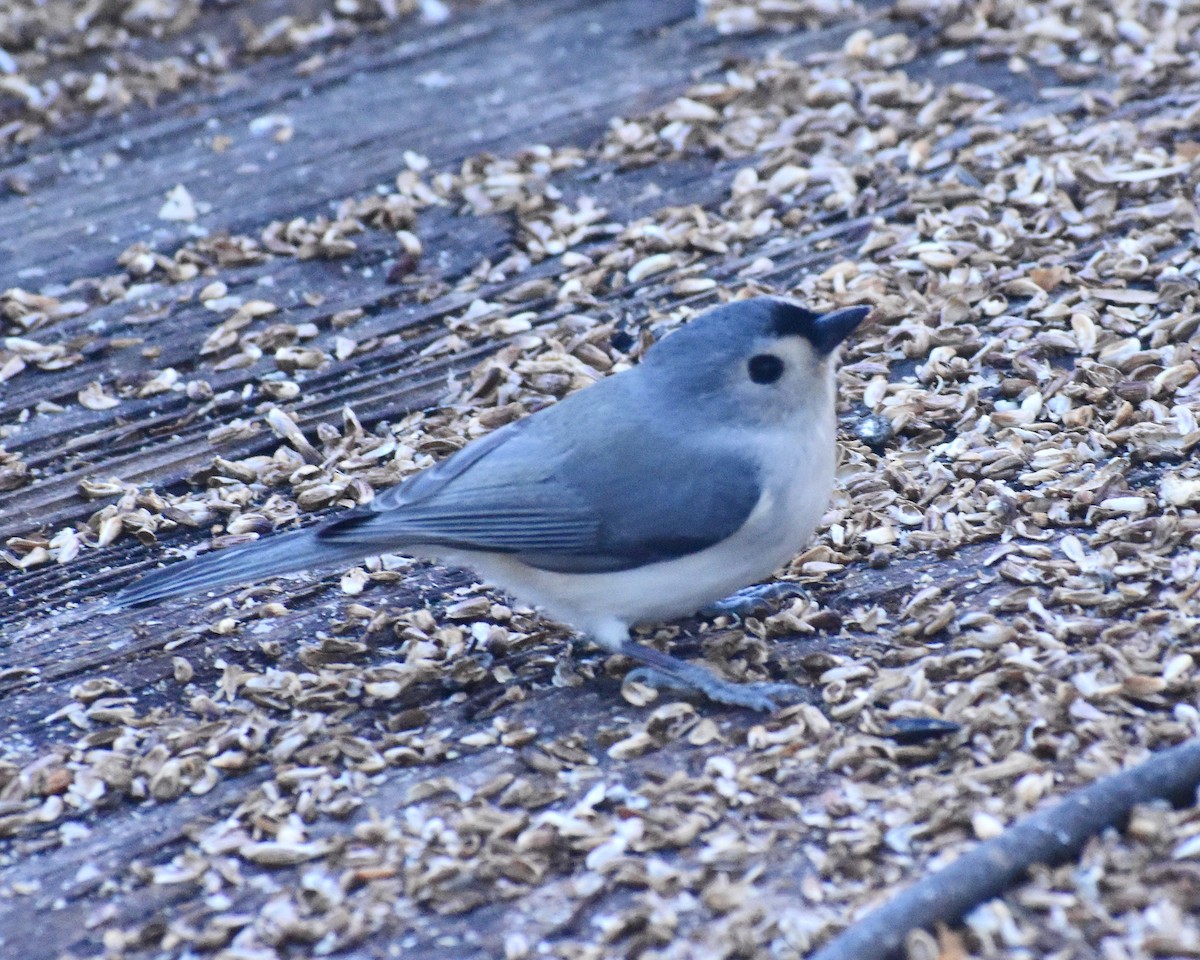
[797,353]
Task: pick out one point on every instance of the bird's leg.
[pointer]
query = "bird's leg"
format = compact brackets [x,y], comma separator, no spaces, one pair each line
[757,600]
[663,670]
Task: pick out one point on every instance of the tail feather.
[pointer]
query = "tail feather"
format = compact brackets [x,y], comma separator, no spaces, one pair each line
[288,553]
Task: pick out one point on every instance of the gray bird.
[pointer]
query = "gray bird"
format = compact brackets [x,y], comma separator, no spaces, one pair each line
[637,500]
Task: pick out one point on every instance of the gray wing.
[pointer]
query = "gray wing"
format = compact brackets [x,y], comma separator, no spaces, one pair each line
[567,495]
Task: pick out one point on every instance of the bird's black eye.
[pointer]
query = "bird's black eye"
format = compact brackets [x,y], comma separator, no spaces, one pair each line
[765,368]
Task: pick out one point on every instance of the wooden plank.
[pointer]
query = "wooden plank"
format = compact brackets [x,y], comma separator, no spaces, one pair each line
[552,72]
[563,55]
[157,832]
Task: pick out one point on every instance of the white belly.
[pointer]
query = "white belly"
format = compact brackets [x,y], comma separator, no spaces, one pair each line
[796,492]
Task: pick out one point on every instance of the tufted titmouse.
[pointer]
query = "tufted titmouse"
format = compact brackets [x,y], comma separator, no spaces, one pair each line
[639,499]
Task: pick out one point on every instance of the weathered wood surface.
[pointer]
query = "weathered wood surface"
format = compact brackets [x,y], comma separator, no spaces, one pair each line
[525,73]
[578,87]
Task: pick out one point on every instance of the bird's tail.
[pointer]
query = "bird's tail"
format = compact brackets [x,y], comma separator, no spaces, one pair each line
[287,553]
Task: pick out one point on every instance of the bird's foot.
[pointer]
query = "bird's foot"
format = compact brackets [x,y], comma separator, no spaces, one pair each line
[663,670]
[756,601]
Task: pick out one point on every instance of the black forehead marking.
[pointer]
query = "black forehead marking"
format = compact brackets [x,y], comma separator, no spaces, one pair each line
[790,320]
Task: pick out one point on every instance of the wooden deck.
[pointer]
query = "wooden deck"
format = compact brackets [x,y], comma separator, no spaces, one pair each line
[265,805]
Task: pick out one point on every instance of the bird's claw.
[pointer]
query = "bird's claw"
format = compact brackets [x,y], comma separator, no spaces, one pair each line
[755,601]
[765,697]
[663,670]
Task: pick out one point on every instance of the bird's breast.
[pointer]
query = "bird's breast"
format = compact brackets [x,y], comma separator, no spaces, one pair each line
[797,477]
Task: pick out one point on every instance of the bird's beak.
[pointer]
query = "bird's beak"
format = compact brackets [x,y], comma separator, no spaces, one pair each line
[830,329]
